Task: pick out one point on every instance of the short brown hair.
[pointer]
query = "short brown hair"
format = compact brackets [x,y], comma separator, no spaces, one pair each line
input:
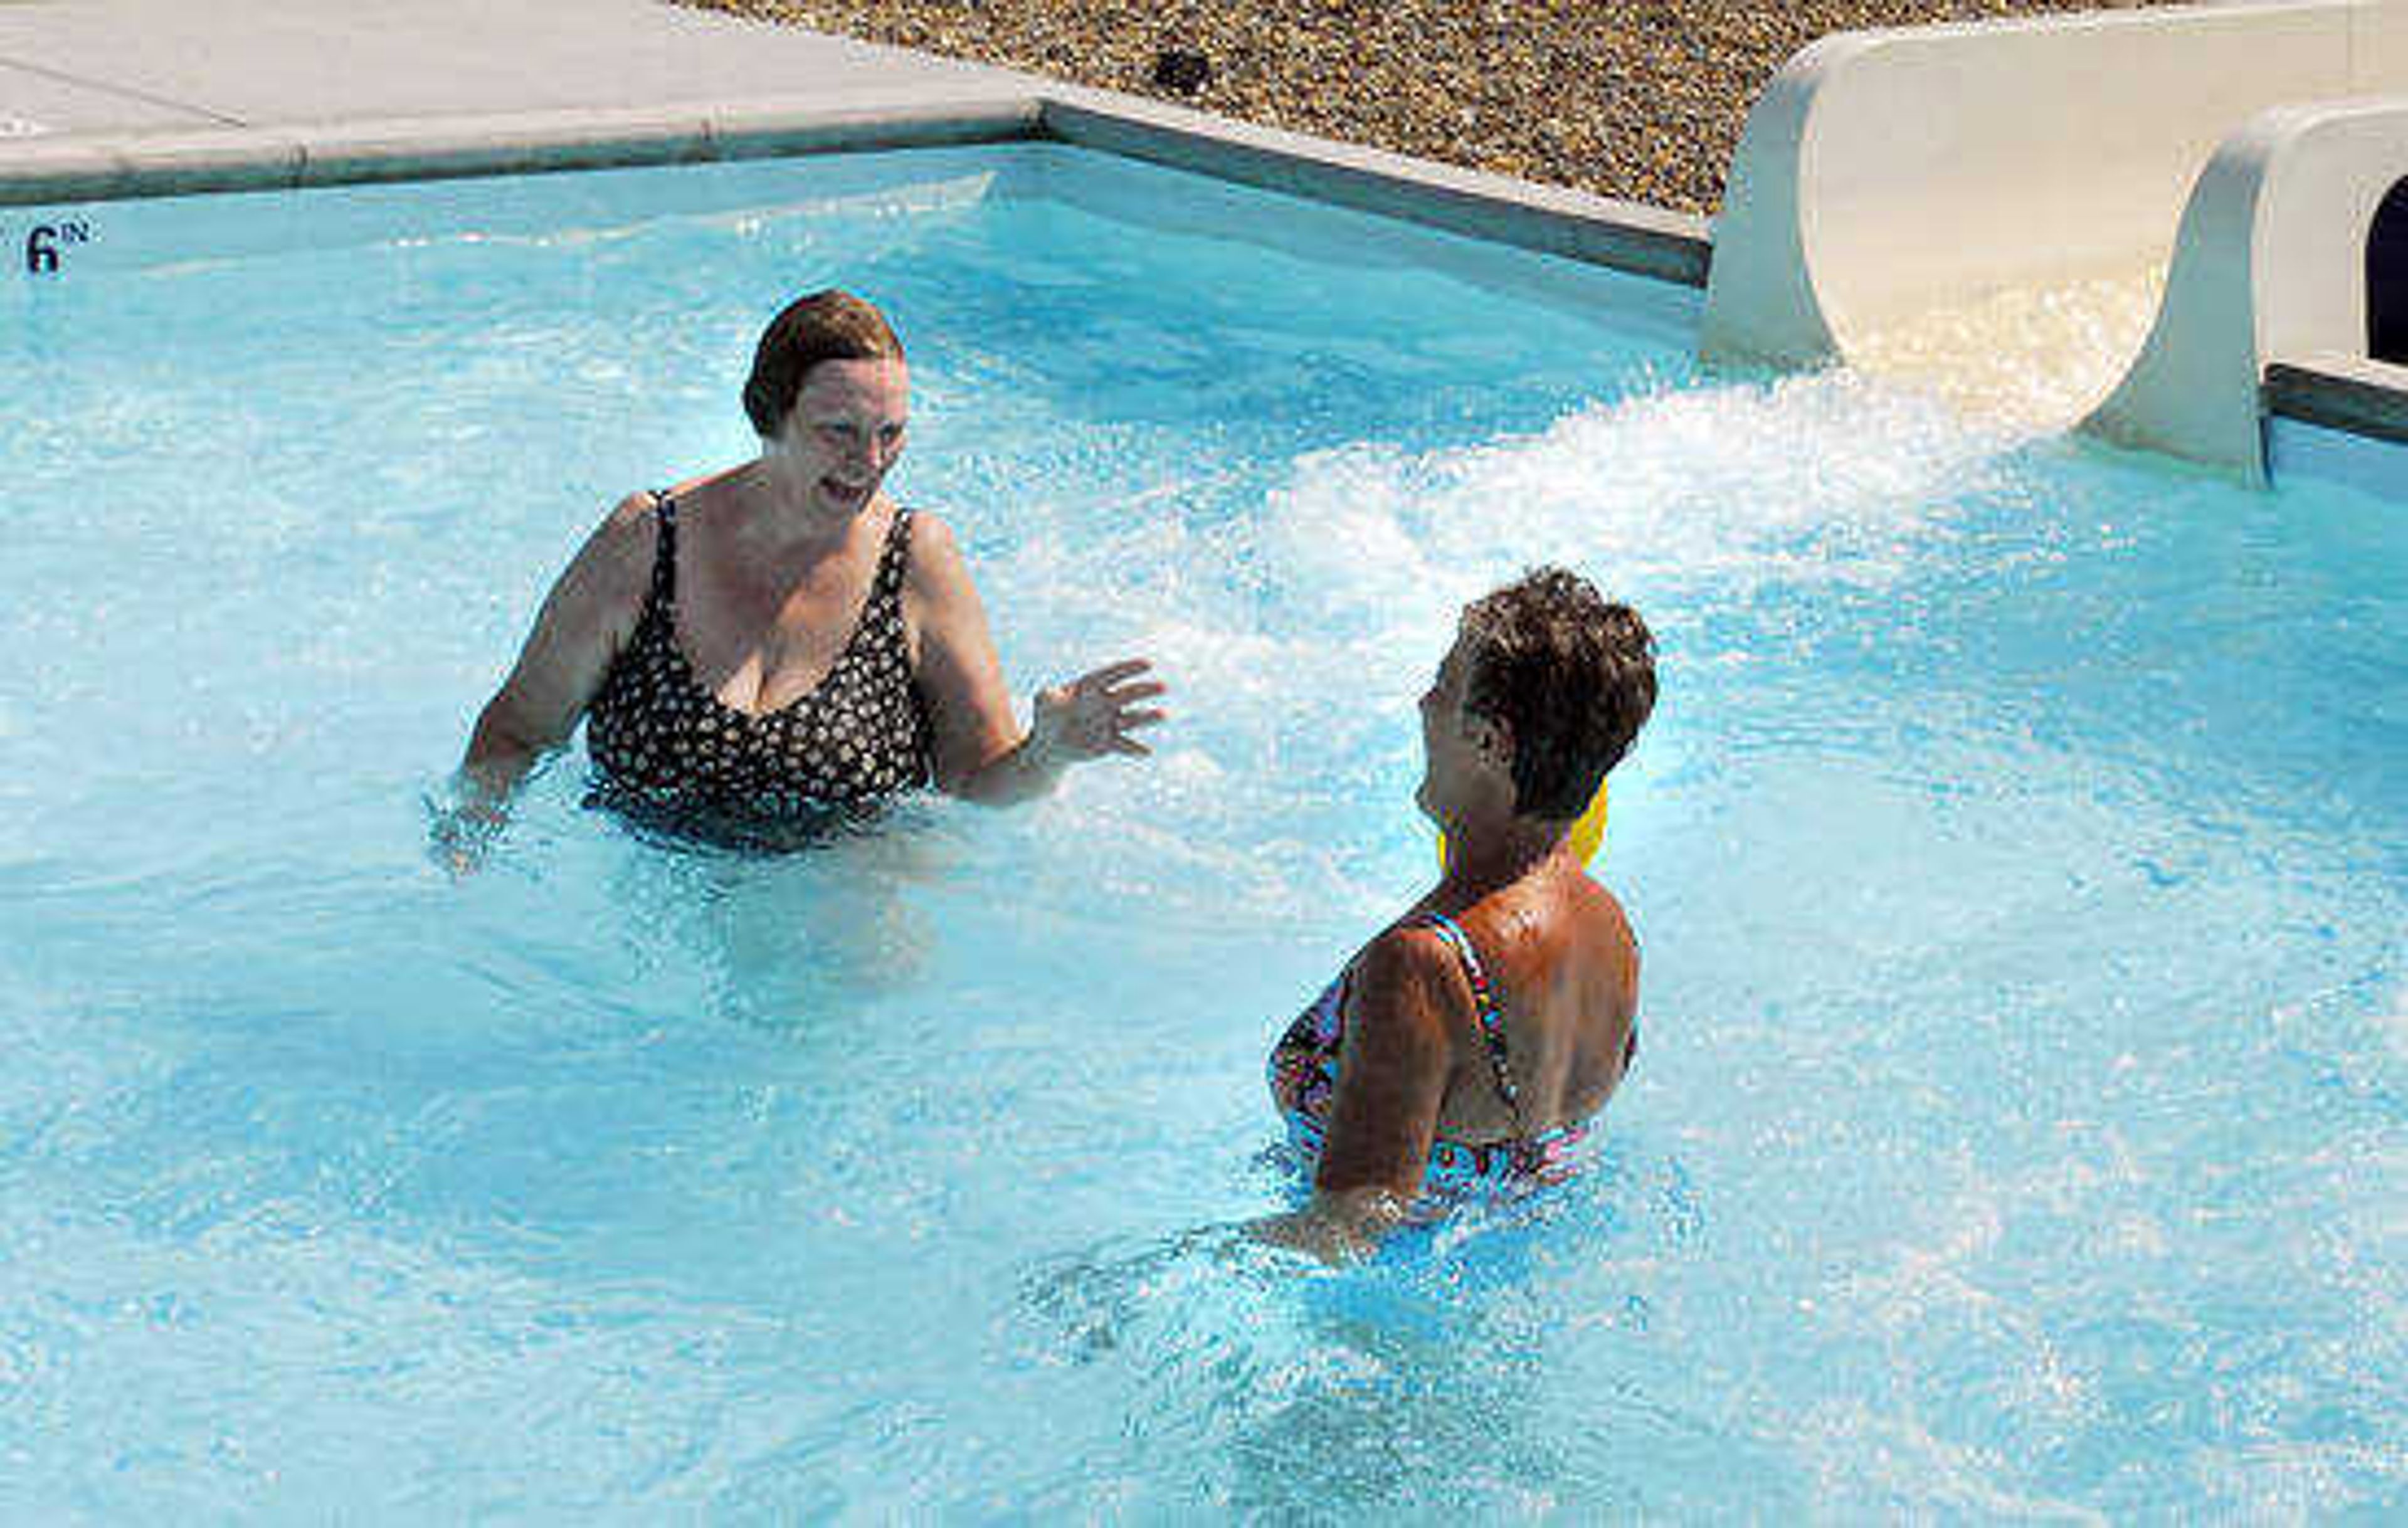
[829,325]
[1572,676]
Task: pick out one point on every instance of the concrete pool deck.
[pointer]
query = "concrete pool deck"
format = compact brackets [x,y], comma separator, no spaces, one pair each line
[99,68]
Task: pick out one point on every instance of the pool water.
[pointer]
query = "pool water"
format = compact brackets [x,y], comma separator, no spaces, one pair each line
[2020,853]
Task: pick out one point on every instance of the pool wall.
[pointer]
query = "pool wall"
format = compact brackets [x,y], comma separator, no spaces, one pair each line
[2338,419]
[1601,231]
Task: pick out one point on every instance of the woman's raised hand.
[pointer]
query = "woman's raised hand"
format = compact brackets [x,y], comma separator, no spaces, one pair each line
[1097,713]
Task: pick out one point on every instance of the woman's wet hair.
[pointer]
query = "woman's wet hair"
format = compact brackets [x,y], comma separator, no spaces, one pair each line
[1572,676]
[829,325]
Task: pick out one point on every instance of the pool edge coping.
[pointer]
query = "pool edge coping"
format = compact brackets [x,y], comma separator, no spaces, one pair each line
[178,161]
[124,166]
[2334,390]
[1633,236]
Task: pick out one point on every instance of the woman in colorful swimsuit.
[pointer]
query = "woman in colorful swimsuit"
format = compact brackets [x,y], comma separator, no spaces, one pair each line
[780,640]
[1471,1042]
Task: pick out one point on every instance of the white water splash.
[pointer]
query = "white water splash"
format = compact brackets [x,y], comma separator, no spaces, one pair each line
[2034,358]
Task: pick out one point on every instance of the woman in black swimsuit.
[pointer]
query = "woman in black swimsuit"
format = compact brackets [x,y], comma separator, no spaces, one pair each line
[780,639]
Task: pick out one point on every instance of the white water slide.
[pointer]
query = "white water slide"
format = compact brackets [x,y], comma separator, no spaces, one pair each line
[2144,210]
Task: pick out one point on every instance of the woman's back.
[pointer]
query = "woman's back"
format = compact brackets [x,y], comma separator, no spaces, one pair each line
[1562,971]
[1503,1030]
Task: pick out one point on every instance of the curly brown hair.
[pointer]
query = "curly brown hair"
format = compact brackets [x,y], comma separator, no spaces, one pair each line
[829,325]
[1572,676]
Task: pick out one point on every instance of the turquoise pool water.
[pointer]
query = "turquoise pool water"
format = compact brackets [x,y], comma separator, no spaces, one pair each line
[2020,853]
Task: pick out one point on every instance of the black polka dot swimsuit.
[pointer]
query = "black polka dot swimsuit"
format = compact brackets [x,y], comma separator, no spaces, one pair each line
[663,744]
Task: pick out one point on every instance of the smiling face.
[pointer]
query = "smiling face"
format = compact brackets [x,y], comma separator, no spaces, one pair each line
[1465,766]
[844,433]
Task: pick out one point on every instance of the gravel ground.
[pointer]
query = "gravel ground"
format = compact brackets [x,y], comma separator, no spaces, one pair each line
[1641,99]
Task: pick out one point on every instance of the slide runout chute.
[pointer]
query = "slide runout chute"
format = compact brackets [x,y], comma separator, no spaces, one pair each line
[1886,180]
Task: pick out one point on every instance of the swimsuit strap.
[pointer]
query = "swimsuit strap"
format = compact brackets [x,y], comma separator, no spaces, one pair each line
[887,584]
[664,549]
[1483,1003]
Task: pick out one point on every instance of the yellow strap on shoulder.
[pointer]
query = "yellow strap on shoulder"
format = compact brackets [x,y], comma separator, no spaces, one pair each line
[1588,832]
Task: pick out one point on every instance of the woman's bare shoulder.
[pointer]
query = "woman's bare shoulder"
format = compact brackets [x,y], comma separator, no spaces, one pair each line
[1593,900]
[1410,956]
[935,571]
[1408,987]
[933,542]
[630,516]
[623,544]
[612,571]
[1607,948]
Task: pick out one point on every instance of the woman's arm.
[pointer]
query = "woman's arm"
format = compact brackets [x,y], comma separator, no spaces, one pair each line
[982,754]
[1392,1068]
[584,620]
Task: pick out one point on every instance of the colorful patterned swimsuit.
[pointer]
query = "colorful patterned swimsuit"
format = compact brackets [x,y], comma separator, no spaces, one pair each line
[1303,1075]
[666,747]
